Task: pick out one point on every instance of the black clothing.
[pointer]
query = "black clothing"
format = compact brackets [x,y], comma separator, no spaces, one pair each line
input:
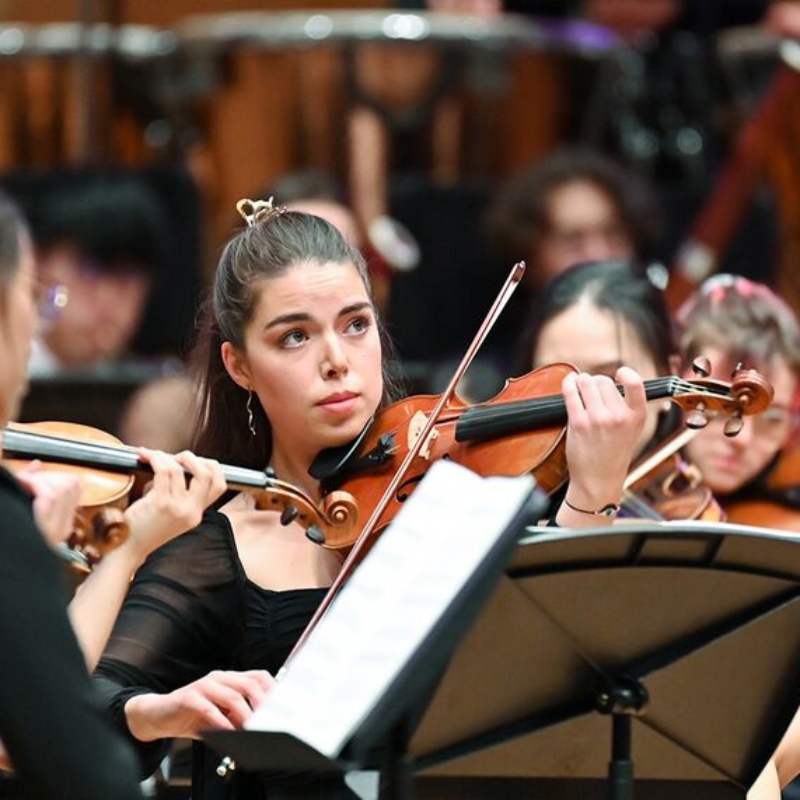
[56,736]
[191,609]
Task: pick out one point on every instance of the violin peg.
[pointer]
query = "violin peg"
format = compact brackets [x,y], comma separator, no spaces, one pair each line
[733,425]
[289,515]
[696,419]
[270,473]
[316,535]
[701,367]
[737,369]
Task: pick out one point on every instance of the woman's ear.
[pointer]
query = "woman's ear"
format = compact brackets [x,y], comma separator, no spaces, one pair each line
[236,365]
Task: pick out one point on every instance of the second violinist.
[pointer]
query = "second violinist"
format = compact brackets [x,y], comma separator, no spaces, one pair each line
[600,316]
[294,363]
[732,320]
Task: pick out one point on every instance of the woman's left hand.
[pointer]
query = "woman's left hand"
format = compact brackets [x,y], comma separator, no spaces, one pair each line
[183,487]
[55,500]
[603,429]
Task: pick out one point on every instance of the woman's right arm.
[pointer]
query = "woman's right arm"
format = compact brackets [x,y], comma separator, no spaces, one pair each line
[170,665]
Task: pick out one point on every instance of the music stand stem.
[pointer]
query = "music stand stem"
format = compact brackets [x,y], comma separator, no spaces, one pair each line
[396,780]
[621,697]
[620,768]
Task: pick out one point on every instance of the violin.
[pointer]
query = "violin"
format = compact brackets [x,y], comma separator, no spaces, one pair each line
[664,486]
[777,505]
[520,430]
[108,470]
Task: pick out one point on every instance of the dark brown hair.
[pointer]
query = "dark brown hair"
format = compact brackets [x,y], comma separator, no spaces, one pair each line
[268,249]
[620,287]
[519,216]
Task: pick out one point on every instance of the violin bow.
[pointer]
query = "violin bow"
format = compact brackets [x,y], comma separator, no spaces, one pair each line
[510,285]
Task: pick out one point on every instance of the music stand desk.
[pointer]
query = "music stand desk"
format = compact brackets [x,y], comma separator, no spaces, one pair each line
[674,646]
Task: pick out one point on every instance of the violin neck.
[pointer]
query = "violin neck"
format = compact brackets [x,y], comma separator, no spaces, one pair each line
[505,419]
[28,445]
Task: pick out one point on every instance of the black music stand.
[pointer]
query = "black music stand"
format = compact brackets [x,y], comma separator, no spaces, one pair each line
[381,740]
[672,646]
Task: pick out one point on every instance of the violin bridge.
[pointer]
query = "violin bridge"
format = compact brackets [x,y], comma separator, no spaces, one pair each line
[415,427]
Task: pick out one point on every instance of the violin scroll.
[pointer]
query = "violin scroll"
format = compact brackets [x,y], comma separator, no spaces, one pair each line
[332,524]
[97,533]
[748,393]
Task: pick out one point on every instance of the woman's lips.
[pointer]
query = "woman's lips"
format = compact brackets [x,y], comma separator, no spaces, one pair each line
[340,403]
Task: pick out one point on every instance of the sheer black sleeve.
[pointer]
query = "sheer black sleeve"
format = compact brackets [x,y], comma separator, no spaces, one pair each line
[58,740]
[182,618]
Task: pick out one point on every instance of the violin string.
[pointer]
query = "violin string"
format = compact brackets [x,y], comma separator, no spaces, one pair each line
[658,388]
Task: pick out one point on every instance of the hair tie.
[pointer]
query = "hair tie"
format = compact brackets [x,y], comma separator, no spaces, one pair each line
[253,211]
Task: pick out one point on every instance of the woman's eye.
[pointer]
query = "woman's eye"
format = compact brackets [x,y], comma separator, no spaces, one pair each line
[359,324]
[293,338]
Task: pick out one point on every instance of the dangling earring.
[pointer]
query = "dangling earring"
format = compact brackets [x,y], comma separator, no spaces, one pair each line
[251,423]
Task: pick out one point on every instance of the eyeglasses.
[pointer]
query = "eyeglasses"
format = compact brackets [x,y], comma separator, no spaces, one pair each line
[51,298]
[772,423]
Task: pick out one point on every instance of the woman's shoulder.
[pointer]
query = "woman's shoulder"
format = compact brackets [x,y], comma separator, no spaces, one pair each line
[205,554]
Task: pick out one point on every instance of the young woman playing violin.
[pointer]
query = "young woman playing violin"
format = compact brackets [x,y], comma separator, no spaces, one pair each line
[293,363]
[600,316]
[731,319]
[45,694]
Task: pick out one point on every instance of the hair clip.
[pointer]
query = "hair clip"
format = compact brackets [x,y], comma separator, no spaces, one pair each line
[253,211]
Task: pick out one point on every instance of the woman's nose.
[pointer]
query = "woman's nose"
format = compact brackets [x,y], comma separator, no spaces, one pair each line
[334,363]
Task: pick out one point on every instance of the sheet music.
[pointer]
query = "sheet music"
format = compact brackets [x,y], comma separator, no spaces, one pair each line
[389,605]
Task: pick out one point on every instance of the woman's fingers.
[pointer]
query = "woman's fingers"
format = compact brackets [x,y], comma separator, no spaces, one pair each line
[208,481]
[635,394]
[221,699]
[55,500]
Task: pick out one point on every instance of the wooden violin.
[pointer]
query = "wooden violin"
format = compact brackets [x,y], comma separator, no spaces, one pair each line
[776,504]
[663,486]
[108,469]
[520,430]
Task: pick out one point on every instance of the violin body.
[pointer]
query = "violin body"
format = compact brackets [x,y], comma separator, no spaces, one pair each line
[779,506]
[396,428]
[674,491]
[765,514]
[520,430]
[99,524]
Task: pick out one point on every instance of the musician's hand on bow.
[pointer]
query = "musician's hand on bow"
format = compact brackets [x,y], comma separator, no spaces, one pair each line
[783,19]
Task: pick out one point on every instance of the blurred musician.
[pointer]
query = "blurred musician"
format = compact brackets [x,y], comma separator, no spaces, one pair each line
[731,321]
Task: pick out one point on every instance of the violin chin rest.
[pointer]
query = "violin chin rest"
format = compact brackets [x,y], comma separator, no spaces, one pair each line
[334,460]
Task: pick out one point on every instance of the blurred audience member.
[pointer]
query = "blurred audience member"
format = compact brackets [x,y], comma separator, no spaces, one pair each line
[317,192]
[574,206]
[160,414]
[99,242]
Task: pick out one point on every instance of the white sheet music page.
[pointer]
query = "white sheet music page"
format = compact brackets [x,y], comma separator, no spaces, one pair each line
[390,603]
